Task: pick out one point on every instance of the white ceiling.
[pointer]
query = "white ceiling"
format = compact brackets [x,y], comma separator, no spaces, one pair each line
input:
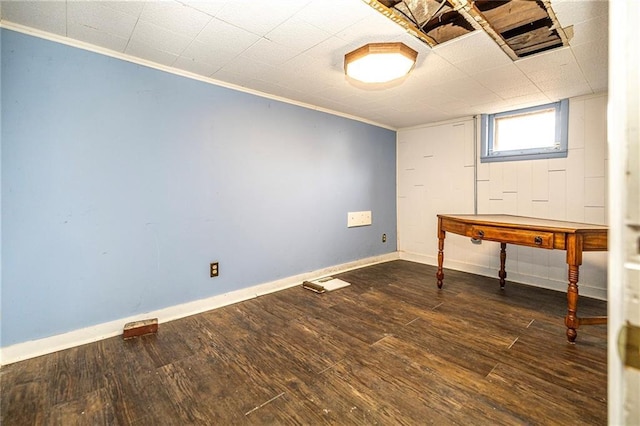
[294,49]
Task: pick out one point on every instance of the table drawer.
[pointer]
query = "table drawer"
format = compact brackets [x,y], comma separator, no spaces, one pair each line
[513,236]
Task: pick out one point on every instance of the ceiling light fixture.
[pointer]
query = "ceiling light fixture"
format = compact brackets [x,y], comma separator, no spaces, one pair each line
[379,62]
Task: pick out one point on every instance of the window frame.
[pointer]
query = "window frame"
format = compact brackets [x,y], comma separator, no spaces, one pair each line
[559,150]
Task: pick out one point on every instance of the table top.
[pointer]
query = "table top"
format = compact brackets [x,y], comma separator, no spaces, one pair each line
[523,222]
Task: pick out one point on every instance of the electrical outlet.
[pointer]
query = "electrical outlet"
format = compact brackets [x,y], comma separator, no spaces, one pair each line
[213,268]
[384,238]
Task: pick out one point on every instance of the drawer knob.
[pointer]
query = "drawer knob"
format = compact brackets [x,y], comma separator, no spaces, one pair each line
[538,240]
[480,233]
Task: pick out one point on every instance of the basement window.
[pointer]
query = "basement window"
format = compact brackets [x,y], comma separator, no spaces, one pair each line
[526,134]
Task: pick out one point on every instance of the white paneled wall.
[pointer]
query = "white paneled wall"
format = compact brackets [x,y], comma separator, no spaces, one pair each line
[436,175]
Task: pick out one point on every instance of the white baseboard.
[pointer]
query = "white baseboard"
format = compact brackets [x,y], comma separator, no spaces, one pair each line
[34,348]
[587,291]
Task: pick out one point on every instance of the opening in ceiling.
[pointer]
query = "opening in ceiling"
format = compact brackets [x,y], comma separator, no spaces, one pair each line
[520,28]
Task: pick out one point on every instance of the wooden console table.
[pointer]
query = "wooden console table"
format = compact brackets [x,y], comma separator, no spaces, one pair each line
[526,231]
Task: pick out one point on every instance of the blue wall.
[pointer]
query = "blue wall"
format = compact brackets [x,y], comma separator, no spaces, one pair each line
[120,183]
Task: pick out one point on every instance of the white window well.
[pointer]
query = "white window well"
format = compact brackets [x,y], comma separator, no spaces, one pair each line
[526,134]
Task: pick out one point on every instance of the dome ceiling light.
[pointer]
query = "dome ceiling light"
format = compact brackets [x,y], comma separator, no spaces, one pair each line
[379,62]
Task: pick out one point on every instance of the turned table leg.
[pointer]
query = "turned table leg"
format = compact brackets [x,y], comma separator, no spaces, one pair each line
[441,235]
[574,260]
[503,257]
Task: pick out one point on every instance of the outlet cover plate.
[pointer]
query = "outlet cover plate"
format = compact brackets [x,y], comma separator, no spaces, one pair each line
[358,218]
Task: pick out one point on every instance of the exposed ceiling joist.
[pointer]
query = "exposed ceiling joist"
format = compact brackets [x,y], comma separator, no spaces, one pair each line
[520,28]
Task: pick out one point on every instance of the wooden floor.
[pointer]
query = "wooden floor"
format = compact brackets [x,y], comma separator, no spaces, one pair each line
[389,349]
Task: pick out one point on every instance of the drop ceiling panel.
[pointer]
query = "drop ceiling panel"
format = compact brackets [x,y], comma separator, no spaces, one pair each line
[130,7]
[101,18]
[571,12]
[194,66]
[507,81]
[316,12]
[328,53]
[469,90]
[565,75]
[463,48]
[308,34]
[372,27]
[150,53]
[96,37]
[547,61]
[592,58]
[218,35]
[175,17]
[210,7]
[259,17]
[202,52]
[434,69]
[590,30]
[153,35]
[270,52]
[242,69]
[567,91]
[50,17]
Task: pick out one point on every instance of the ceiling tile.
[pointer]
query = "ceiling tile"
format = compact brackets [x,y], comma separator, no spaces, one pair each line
[130,7]
[462,48]
[592,58]
[261,20]
[153,35]
[506,81]
[362,31]
[175,17]
[100,18]
[142,50]
[568,74]
[568,14]
[221,36]
[269,52]
[242,69]
[300,68]
[46,16]
[196,67]
[430,96]
[548,60]
[591,30]
[96,37]
[525,101]
[434,69]
[514,92]
[469,90]
[202,52]
[210,7]
[307,35]
[316,12]
[329,53]
[567,91]
[473,53]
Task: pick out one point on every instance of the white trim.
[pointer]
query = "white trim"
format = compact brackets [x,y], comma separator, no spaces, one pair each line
[34,348]
[123,56]
[587,291]
[439,123]
[623,39]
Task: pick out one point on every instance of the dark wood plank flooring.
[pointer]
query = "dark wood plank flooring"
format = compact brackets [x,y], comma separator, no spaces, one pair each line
[389,349]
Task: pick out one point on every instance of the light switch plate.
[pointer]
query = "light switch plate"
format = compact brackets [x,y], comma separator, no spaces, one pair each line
[358,219]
